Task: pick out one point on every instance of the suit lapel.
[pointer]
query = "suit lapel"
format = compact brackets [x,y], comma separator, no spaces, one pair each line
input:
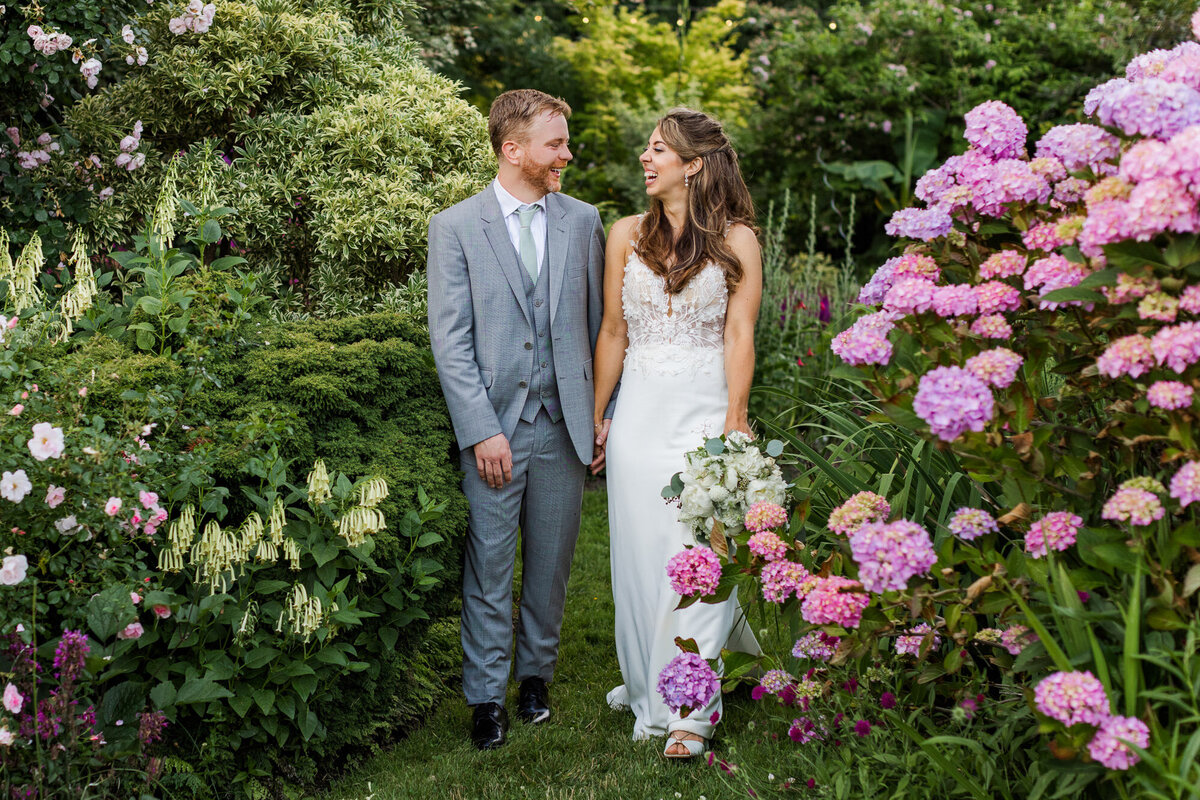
[506,256]
[558,246]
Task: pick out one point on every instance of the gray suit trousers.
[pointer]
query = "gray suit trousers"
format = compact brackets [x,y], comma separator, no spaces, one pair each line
[542,501]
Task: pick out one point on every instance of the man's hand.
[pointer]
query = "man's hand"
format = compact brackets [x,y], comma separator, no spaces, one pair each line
[493,459]
[598,449]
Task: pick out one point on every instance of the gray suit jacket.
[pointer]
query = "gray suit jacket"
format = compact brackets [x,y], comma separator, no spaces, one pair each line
[479,323]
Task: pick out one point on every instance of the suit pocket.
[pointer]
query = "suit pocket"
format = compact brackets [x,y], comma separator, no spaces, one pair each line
[486,374]
[587,370]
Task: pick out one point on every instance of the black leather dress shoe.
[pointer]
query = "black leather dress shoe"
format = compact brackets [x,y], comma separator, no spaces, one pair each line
[533,701]
[489,724]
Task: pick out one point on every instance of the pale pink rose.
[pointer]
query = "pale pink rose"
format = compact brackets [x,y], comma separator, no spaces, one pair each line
[177,25]
[162,612]
[148,499]
[136,161]
[35,31]
[13,699]
[123,159]
[47,442]
[135,597]
[127,34]
[133,630]
[13,570]
[16,410]
[44,139]
[6,737]
[128,144]
[55,495]
[113,506]
[12,323]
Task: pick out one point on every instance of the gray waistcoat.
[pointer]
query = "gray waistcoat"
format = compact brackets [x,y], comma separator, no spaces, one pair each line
[543,388]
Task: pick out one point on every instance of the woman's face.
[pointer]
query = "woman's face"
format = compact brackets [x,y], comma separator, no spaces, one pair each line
[663,167]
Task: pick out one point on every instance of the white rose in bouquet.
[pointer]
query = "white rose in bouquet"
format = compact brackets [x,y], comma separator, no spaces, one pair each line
[694,502]
[765,491]
[718,494]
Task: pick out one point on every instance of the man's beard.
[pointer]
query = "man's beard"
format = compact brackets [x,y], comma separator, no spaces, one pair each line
[539,177]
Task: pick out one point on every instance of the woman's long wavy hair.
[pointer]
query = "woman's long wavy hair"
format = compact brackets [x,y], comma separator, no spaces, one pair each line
[717,198]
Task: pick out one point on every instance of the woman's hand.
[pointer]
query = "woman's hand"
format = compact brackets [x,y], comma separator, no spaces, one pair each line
[738,424]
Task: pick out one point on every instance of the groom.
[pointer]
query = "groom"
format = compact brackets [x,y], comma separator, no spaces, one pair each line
[515,292]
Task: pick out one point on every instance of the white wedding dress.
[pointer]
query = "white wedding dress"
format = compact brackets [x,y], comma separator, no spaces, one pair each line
[673,396]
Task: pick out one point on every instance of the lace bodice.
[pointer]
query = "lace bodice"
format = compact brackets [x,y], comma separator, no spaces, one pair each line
[683,333]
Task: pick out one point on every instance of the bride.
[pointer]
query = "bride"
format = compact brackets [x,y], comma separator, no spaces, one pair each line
[682,287]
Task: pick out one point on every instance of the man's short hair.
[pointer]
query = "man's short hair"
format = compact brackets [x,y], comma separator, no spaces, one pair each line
[513,112]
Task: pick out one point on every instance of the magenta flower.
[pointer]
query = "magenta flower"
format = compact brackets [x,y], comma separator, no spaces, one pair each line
[768,546]
[696,570]
[887,700]
[782,579]
[1072,698]
[828,603]
[816,646]
[1136,506]
[70,655]
[862,728]
[992,326]
[1129,355]
[952,400]
[1110,745]
[687,681]
[860,509]
[997,367]
[1185,485]
[890,554]
[910,643]
[865,342]
[995,129]
[1017,638]
[969,524]
[1055,531]
[1189,299]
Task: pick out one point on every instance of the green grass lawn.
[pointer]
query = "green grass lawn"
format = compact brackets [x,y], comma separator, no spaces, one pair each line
[584,752]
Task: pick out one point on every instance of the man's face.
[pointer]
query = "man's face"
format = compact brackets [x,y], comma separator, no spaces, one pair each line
[545,152]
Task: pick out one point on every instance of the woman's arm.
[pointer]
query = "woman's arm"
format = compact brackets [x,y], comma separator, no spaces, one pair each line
[613,339]
[739,328]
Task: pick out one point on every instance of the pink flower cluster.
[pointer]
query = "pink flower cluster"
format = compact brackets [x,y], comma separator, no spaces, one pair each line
[696,570]
[32,159]
[860,509]
[1081,147]
[1072,698]
[767,546]
[1051,273]
[816,646]
[1170,395]
[835,601]
[151,515]
[1133,505]
[996,367]
[925,224]
[1002,264]
[890,554]
[909,296]
[775,681]
[910,643]
[127,158]
[865,342]
[992,326]
[1185,485]
[969,524]
[781,579]
[1129,288]
[915,265]
[1055,531]
[1129,355]
[1044,236]
[954,300]
[48,43]
[1109,746]
[1017,638]
[994,296]
[197,17]
[995,129]
[1177,346]
[687,681]
[764,516]
[952,400]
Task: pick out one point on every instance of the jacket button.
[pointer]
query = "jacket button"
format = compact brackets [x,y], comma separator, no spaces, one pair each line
[522,384]
[529,345]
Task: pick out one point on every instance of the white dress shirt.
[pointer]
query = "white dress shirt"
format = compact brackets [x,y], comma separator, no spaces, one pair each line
[508,208]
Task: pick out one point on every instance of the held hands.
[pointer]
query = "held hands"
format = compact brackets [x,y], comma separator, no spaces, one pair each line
[493,459]
[601,427]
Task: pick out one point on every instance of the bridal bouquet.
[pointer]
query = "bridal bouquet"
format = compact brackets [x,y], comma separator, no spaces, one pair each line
[723,479]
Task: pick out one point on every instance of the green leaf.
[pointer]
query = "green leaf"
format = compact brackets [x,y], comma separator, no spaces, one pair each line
[388,637]
[271,586]
[687,645]
[774,448]
[241,704]
[163,695]
[260,656]
[1073,294]
[427,539]
[201,691]
[210,231]
[227,261]
[714,446]
[121,703]
[1105,277]
[1191,581]
[264,699]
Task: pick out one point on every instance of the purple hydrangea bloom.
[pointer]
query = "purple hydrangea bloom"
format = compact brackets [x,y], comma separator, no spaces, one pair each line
[910,643]
[933,184]
[1149,107]
[889,554]
[873,293]
[1054,272]
[1080,147]
[996,129]
[816,646]
[925,224]
[1149,159]
[952,400]
[1109,746]
[865,342]
[971,523]
[687,681]
[1107,222]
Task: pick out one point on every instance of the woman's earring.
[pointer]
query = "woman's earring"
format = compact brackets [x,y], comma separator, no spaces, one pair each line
[685,181]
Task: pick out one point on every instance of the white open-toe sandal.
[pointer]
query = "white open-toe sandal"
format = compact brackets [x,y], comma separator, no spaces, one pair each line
[694,747]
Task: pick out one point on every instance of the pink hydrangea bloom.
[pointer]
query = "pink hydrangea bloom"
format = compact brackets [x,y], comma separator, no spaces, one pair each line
[952,400]
[1158,205]
[1072,698]
[1016,638]
[860,509]
[781,579]
[925,224]
[996,129]
[1158,306]
[1185,485]
[1049,167]
[1106,222]
[687,681]
[1150,106]
[1044,237]
[1189,300]
[890,554]
[1129,288]
[1080,147]
[1129,355]
[1170,395]
[816,646]
[992,326]
[997,367]
[865,342]
[1178,346]
[1016,182]
[764,516]
[995,296]
[915,265]
[696,570]
[933,184]
[775,681]
[1146,160]
[1136,506]
[1109,746]
[909,296]
[971,523]
[956,300]
[1004,264]
[828,603]
[910,643]
[876,289]
[1055,531]
[768,546]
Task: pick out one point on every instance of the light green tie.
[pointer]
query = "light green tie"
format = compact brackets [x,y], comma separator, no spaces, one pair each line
[527,248]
